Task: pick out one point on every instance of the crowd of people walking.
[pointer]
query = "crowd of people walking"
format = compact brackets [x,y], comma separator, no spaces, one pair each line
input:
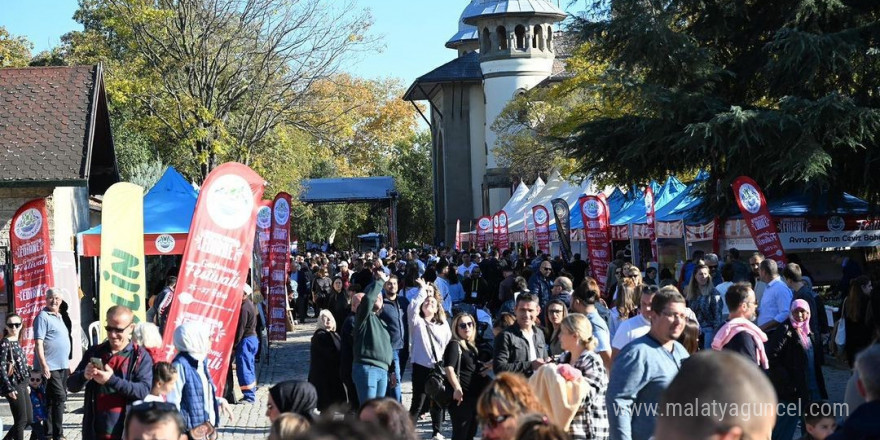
[497,345]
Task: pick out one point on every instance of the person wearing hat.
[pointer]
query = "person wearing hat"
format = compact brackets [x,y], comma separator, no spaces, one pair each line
[246,344]
[344,274]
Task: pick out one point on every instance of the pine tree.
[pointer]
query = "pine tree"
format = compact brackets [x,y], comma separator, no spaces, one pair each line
[783,91]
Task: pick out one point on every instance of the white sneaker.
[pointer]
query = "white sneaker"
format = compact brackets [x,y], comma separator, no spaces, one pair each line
[438,436]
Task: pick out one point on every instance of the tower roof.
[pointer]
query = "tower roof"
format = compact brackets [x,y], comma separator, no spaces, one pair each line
[465,32]
[487,8]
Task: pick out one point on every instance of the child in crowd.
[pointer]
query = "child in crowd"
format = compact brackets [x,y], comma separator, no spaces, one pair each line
[38,402]
[164,377]
[819,421]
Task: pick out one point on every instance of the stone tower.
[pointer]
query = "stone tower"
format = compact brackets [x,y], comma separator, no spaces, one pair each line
[516,53]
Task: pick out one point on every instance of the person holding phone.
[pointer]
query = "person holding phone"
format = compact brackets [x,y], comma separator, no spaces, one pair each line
[115,373]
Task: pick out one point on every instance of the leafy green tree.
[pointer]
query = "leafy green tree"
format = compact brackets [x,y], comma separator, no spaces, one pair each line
[782,91]
[414,178]
[211,79]
[15,51]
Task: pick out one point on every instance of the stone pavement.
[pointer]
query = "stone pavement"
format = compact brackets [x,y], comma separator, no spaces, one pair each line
[290,360]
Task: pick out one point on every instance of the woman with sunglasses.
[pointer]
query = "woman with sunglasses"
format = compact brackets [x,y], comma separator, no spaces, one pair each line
[465,373]
[429,335]
[14,384]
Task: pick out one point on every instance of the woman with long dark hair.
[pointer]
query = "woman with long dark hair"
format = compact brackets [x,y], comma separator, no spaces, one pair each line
[855,312]
[556,312]
[16,372]
[706,303]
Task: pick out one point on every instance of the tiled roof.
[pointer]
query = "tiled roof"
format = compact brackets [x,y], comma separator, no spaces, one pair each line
[465,68]
[47,125]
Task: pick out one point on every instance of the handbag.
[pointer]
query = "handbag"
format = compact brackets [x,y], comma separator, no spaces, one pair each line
[10,360]
[437,386]
[205,431]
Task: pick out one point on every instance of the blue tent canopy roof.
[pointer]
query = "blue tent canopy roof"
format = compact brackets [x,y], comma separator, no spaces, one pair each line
[168,206]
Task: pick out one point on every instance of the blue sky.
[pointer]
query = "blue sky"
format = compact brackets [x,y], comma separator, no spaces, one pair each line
[414,32]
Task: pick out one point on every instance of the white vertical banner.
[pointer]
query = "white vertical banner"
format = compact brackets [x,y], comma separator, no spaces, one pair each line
[67,282]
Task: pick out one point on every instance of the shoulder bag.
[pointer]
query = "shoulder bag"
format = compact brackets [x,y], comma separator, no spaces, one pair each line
[205,431]
[437,386]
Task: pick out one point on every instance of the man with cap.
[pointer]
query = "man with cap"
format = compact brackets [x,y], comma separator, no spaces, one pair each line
[344,274]
[246,344]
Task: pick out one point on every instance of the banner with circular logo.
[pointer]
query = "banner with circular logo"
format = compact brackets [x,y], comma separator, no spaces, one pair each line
[279,260]
[32,267]
[542,227]
[484,225]
[216,261]
[503,240]
[754,209]
[594,213]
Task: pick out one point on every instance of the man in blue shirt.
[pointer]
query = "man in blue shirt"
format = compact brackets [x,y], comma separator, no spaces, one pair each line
[52,353]
[776,303]
[645,367]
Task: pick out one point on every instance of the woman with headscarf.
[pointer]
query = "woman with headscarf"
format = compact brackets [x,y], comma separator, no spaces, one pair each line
[292,396]
[795,368]
[194,392]
[324,365]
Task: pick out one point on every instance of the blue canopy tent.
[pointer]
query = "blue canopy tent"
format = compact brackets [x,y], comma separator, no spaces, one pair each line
[168,212]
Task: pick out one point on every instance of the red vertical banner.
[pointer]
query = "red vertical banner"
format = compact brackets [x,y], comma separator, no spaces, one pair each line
[32,274]
[279,258]
[216,262]
[503,240]
[495,230]
[594,213]
[527,242]
[542,227]
[264,231]
[652,230]
[484,225]
[754,209]
[458,234]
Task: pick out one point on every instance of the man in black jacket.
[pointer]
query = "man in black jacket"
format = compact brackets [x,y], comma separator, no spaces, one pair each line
[521,347]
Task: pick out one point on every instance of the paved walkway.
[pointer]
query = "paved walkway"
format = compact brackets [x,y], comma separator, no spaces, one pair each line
[290,360]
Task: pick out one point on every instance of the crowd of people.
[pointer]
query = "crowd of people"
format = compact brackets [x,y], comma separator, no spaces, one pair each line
[515,338]
[498,345]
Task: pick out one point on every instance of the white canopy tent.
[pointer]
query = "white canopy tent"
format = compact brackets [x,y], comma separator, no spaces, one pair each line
[515,221]
[517,198]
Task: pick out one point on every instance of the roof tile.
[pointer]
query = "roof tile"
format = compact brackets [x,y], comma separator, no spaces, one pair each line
[46,113]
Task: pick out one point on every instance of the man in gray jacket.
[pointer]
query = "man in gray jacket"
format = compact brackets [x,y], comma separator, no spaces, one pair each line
[521,347]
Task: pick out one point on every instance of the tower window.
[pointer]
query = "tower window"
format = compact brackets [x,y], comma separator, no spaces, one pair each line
[520,32]
[502,37]
[486,41]
[549,38]
[538,38]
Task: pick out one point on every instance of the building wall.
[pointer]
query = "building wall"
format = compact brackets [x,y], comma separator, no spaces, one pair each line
[477,121]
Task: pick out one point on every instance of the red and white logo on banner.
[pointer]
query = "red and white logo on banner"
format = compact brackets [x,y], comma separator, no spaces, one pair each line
[594,213]
[216,261]
[652,226]
[32,274]
[458,234]
[279,257]
[754,209]
[484,225]
[503,240]
[542,227]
